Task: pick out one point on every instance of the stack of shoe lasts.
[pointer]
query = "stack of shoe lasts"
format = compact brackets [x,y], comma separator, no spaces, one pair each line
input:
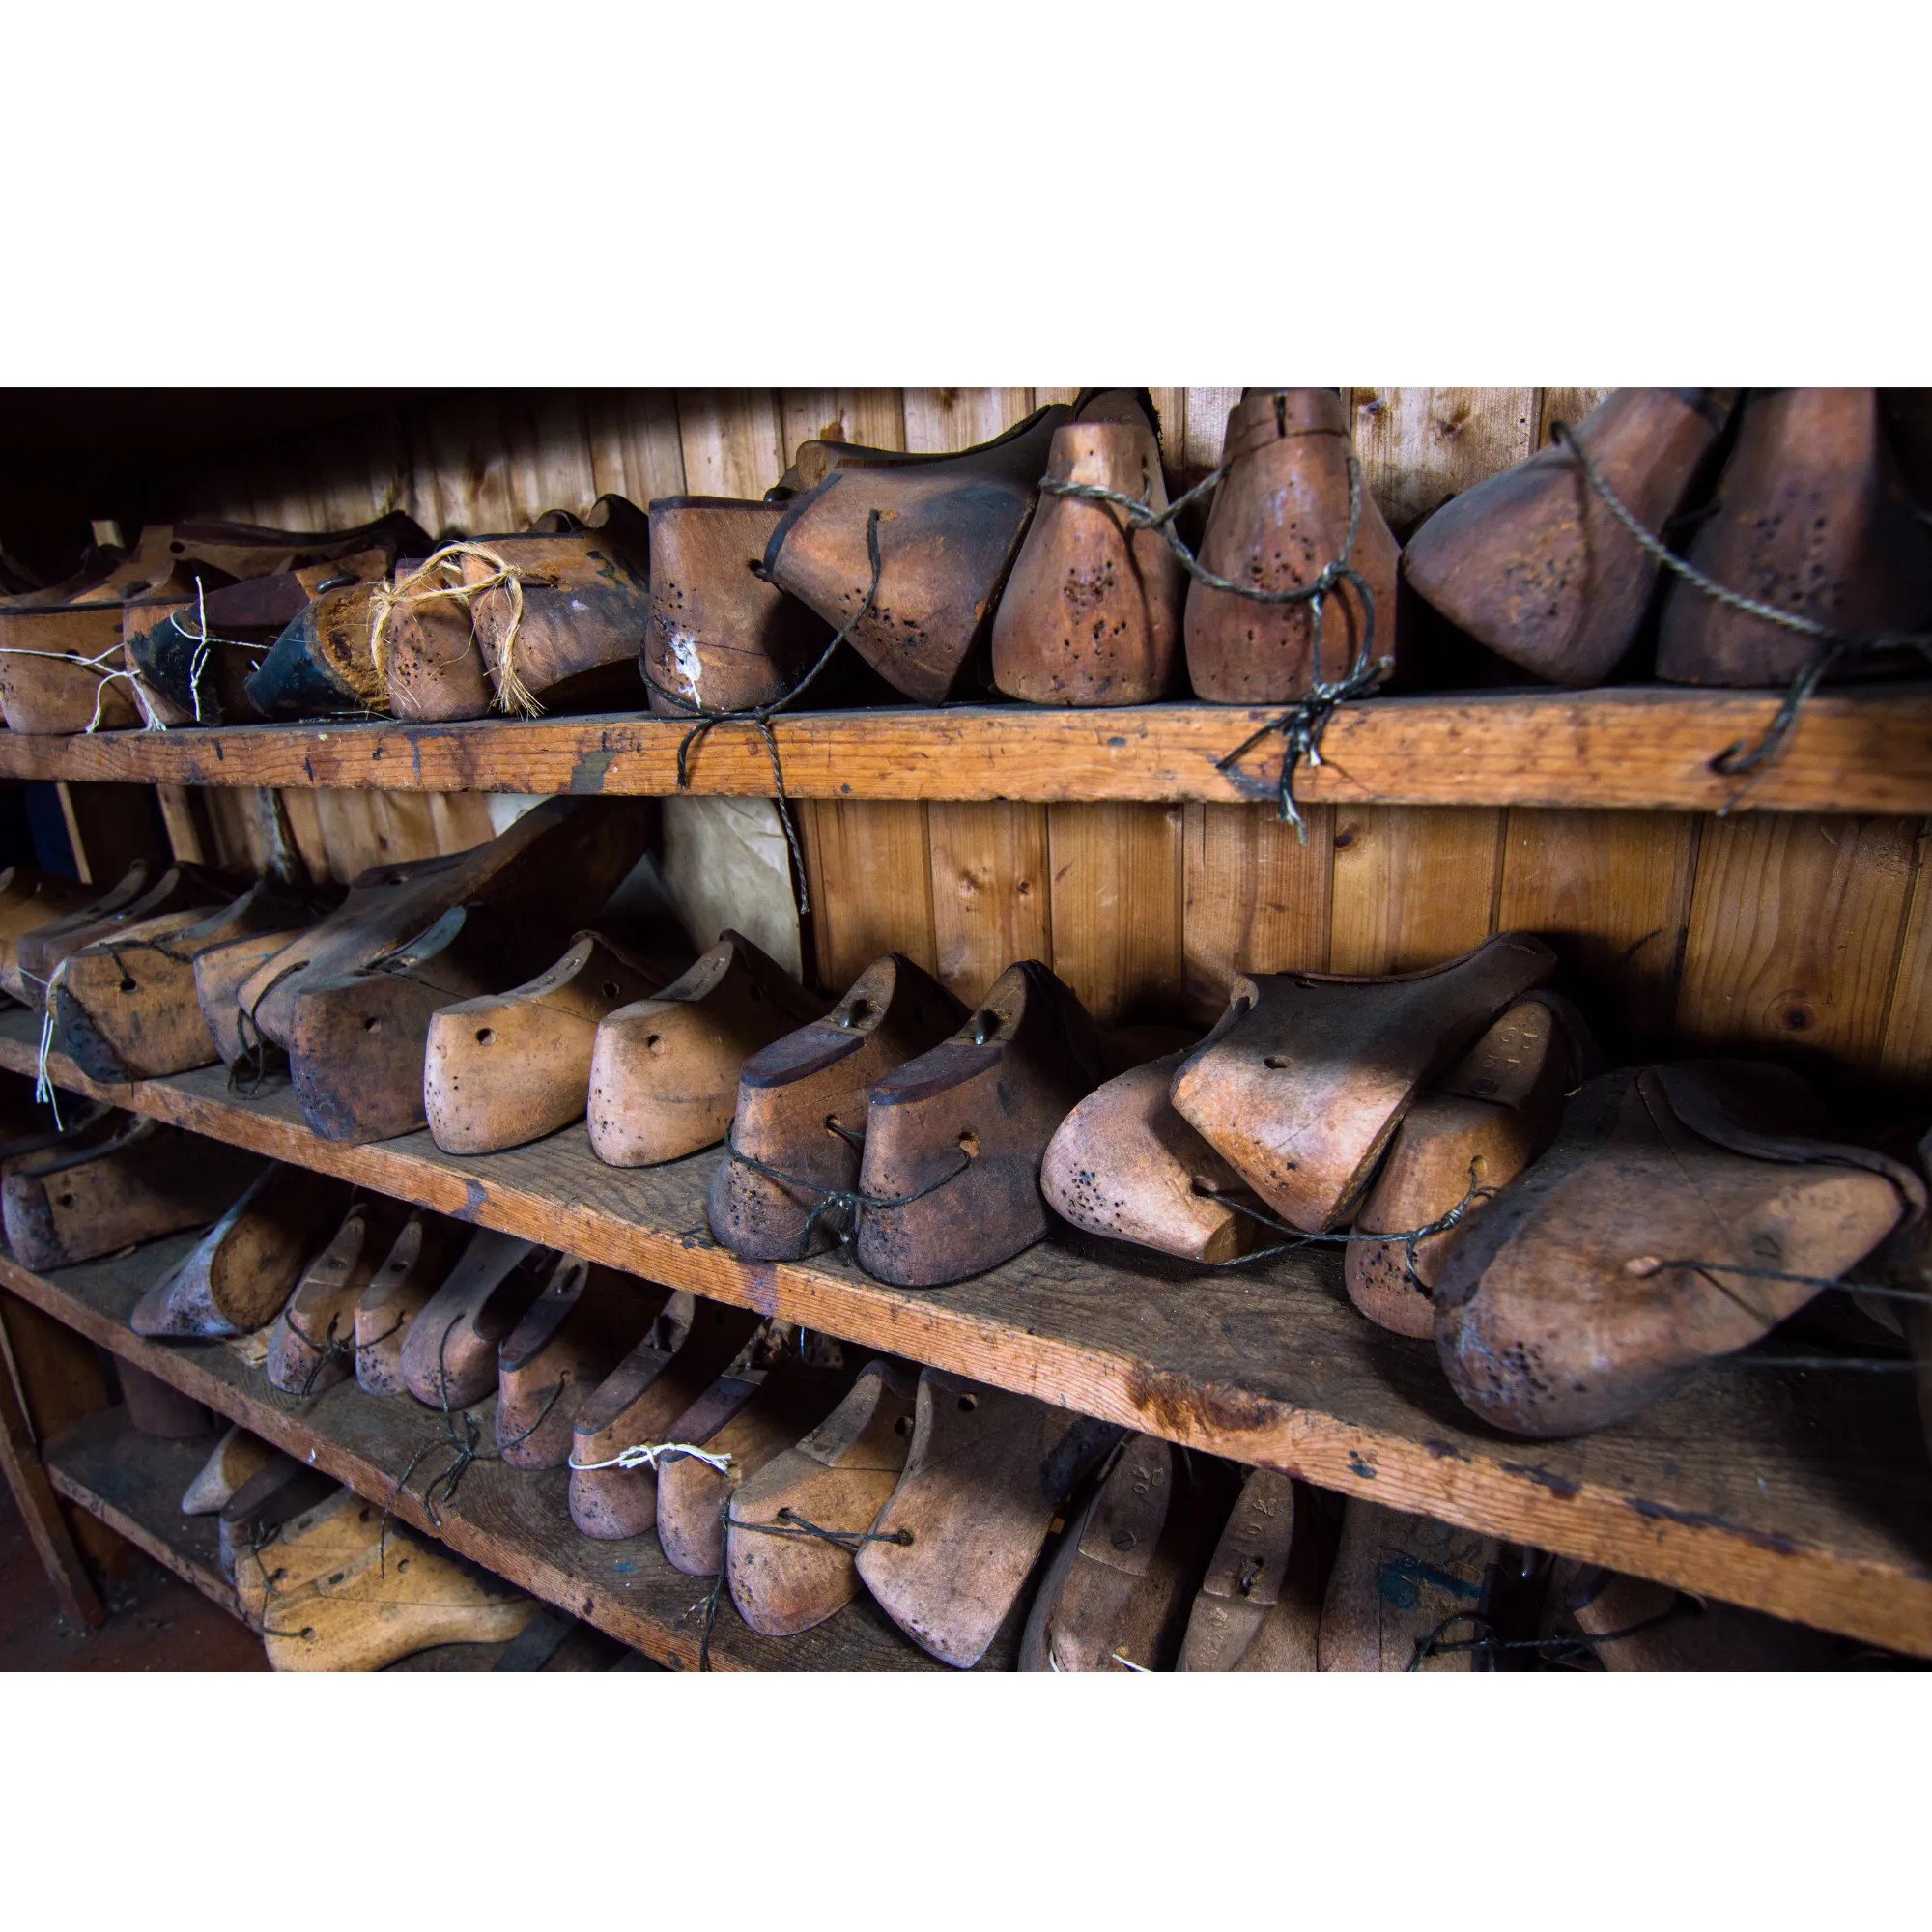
[351,1000]
[1533,562]
[194,639]
[125,1008]
[551,617]
[945,530]
[312,1343]
[1810,515]
[1283,1114]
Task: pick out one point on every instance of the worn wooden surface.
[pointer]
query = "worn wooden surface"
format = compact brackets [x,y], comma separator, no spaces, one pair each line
[516,1522]
[1807,1495]
[1630,748]
[23,1466]
[134,1483]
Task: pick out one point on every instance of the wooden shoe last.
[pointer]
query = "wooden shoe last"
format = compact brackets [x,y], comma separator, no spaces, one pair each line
[1478,1127]
[954,1139]
[1280,516]
[783,1578]
[1402,1585]
[1306,1077]
[636,1404]
[583,1324]
[246,1266]
[1259,1607]
[1812,520]
[312,1345]
[1640,1245]
[985,1475]
[1124,1165]
[144,1181]
[1116,1594]
[748,1420]
[720,637]
[1091,612]
[230,1464]
[418,1262]
[665,1072]
[449,1350]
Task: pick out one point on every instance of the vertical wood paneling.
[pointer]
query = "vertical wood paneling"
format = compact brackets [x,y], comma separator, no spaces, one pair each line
[1564,406]
[867,875]
[634,443]
[1795,930]
[1907,1052]
[1611,892]
[1419,446]
[730,439]
[549,464]
[1256,900]
[1413,885]
[990,900]
[958,418]
[462,469]
[1116,907]
[874,418]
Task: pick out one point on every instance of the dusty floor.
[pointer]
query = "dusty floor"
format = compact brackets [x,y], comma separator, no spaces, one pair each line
[154,1622]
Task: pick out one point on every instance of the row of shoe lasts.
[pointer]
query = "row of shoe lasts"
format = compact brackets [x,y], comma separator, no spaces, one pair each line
[1575,1274]
[723,604]
[941,1493]
[968,1510]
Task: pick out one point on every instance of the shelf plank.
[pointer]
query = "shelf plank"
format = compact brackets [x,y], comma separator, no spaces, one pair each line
[134,1483]
[1634,748]
[1806,1495]
[516,1522]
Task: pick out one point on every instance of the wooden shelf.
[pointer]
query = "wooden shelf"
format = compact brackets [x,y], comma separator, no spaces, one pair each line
[516,1522]
[1629,747]
[1805,1495]
[134,1483]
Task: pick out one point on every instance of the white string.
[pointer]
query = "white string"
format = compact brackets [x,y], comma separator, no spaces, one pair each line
[642,1454]
[44,1086]
[1125,1665]
[104,679]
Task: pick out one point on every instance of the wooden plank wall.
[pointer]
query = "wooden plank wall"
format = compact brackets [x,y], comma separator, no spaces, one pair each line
[1808,936]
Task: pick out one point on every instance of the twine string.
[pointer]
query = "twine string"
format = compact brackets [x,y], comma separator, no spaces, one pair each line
[429,584]
[1301,724]
[1834,645]
[706,719]
[102,678]
[255,1056]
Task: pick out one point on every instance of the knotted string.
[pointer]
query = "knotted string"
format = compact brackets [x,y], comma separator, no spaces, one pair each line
[465,1445]
[1834,645]
[418,587]
[1408,1238]
[102,678]
[649,1454]
[848,1199]
[761,715]
[257,1055]
[1304,722]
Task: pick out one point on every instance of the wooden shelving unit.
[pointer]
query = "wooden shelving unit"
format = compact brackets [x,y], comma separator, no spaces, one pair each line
[1636,748]
[1803,1493]
[516,1522]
